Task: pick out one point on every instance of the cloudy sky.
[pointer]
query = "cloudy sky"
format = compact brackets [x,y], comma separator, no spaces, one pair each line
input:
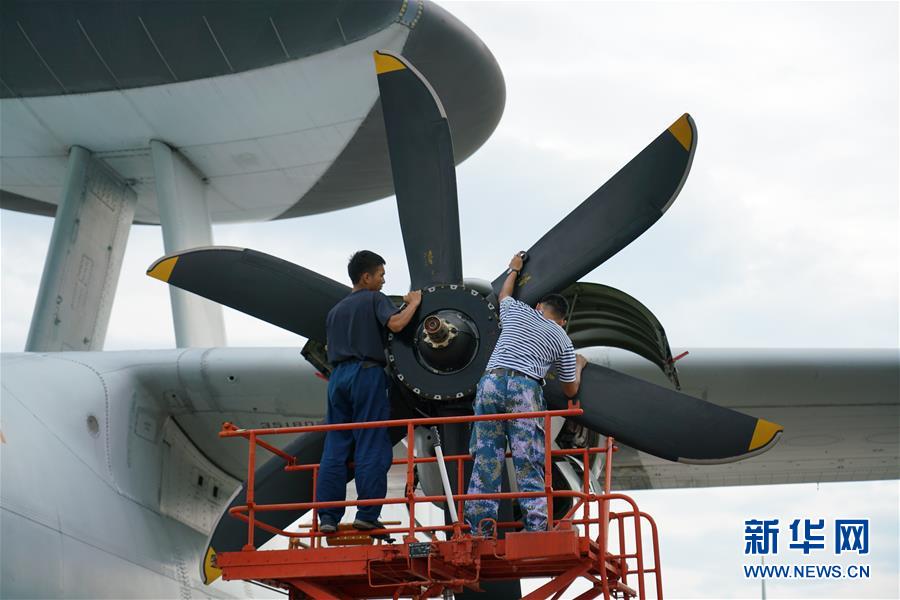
[785,234]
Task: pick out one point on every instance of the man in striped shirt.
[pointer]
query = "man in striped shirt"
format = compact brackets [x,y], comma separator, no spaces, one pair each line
[531,341]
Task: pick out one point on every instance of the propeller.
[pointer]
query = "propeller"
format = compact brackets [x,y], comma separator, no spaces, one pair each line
[439,357]
[612,217]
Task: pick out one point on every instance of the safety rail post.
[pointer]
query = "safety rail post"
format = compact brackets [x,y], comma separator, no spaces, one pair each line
[251,484]
[460,504]
[657,570]
[548,471]
[639,550]
[410,483]
[623,560]
[586,488]
[603,532]
[315,542]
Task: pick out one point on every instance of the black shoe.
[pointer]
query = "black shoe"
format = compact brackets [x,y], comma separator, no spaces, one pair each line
[327,526]
[367,525]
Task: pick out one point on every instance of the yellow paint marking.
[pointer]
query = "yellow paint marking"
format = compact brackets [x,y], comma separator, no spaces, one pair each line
[523,280]
[681,129]
[429,258]
[163,269]
[210,571]
[385,63]
[763,433]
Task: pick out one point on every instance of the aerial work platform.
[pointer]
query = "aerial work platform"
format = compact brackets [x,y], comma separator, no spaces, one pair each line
[427,561]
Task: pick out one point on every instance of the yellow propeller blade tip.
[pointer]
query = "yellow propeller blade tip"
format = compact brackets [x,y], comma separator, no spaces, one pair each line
[210,571]
[385,63]
[682,131]
[764,433]
[162,270]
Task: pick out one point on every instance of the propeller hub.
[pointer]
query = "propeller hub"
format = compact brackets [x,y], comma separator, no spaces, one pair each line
[443,356]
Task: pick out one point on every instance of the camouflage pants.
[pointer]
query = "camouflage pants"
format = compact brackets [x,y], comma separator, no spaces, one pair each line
[500,394]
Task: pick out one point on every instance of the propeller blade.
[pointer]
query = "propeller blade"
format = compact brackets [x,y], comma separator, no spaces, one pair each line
[421,152]
[663,422]
[612,217]
[260,285]
[274,485]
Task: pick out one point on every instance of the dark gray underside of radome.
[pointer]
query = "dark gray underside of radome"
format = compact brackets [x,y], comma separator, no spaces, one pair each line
[455,61]
[49,48]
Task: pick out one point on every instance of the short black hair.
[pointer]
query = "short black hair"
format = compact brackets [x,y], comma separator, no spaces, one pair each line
[557,303]
[363,261]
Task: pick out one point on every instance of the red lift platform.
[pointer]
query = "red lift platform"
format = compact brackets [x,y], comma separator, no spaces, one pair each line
[430,561]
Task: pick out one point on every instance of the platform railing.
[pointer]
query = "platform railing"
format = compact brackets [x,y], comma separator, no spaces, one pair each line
[583,499]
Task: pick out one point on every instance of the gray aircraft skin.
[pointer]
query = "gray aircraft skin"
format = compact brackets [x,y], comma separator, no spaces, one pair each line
[113,475]
[113,472]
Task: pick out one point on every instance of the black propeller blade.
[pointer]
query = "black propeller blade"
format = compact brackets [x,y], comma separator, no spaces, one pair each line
[663,422]
[612,217]
[421,152]
[264,286]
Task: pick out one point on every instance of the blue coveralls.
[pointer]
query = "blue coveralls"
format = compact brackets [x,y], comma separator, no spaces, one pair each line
[357,391]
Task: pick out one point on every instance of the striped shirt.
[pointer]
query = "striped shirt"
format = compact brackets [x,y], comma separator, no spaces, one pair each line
[531,344]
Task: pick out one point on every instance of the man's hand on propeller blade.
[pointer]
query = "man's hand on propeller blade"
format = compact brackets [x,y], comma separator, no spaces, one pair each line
[401,319]
[413,298]
[516,262]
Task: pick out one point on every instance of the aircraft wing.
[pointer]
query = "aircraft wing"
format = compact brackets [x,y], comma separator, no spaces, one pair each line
[839,409]
[157,414]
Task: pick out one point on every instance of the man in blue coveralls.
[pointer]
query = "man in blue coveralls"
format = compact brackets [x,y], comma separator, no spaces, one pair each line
[358,391]
[531,341]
